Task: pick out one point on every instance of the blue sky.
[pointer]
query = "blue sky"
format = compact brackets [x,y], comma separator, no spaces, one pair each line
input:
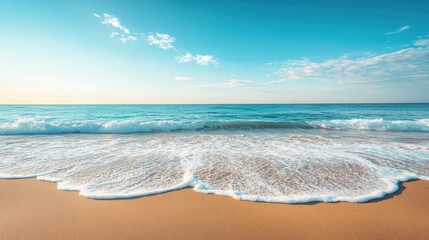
[214,51]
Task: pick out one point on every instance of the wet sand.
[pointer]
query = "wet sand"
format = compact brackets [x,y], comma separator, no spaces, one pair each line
[31,209]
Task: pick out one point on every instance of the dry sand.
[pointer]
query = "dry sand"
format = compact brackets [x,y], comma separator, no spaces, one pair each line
[31,209]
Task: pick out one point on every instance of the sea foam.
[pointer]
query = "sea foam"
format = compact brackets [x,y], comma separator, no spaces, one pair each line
[284,167]
[420,125]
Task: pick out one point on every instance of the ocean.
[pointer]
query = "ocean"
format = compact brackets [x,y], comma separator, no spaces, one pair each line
[285,153]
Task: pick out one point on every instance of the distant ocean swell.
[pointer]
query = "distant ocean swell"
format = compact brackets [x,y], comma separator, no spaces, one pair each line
[29,126]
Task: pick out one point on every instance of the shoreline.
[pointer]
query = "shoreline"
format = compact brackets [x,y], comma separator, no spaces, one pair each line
[33,209]
[400,189]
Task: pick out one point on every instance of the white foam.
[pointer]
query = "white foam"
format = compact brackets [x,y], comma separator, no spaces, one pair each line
[264,166]
[420,125]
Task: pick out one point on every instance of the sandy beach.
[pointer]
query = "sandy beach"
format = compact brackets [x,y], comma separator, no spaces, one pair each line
[32,209]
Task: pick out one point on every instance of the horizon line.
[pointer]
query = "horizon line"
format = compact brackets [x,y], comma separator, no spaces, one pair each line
[311,103]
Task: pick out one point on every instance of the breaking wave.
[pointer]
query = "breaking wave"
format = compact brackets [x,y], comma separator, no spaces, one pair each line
[29,126]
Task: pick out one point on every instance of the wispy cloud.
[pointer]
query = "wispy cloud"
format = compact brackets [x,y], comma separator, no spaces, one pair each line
[122,34]
[422,42]
[232,83]
[401,29]
[107,19]
[127,38]
[183,78]
[184,58]
[403,65]
[203,60]
[162,40]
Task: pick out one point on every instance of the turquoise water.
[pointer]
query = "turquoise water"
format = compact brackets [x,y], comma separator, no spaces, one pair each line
[55,119]
[271,153]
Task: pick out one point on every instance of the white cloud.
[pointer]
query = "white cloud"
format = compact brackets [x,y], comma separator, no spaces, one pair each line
[185,58]
[399,30]
[399,66]
[161,40]
[114,22]
[122,34]
[125,38]
[422,42]
[183,78]
[232,83]
[203,60]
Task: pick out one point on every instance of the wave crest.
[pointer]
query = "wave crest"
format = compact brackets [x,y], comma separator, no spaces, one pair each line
[420,125]
[31,126]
